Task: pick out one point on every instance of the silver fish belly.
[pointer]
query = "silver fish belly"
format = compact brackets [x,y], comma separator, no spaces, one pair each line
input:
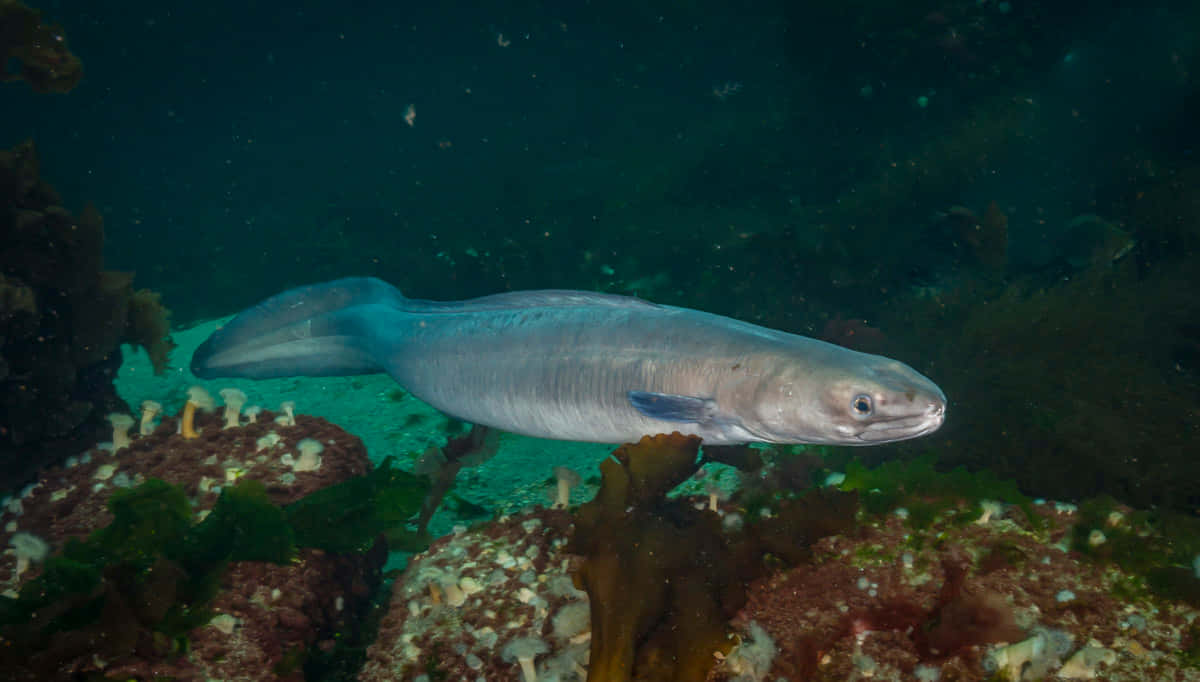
[581,366]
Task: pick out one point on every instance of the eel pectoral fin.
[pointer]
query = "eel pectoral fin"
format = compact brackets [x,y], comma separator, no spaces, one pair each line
[673,408]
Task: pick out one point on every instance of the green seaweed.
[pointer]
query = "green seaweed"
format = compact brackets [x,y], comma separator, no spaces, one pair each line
[922,514]
[1189,652]
[146,520]
[349,516]
[1157,546]
[1129,588]
[149,574]
[1059,357]
[1174,582]
[152,525]
[919,487]
[122,585]
[1001,554]
[245,526]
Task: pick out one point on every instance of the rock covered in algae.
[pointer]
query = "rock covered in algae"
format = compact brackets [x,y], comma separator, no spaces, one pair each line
[975,595]
[634,585]
[63,318]
[164,605]
[932,584]
[471,604]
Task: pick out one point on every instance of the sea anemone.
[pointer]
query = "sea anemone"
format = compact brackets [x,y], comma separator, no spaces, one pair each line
[197,398]
[567,479]
[121,423]
[233,399]
[990,509]
[288,418]
[523,650]
[29,549]
[268,441]
[150,408]
[571,620]
[310,455]
[716,495]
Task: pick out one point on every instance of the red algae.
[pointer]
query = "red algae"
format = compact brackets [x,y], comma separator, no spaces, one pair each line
[883,602]
[886,606]
[266,615]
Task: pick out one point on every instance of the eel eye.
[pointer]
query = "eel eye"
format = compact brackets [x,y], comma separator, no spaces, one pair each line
[862,405]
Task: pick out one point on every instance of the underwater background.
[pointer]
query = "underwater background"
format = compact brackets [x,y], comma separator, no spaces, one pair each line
[1003,194]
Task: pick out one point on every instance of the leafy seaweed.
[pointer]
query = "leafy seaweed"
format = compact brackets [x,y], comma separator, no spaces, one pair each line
[349,516]
[149,575]
[245,526]
[1159,546]
[926,492]
[147,520]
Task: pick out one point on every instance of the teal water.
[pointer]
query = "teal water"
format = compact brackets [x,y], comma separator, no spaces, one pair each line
[1002,194]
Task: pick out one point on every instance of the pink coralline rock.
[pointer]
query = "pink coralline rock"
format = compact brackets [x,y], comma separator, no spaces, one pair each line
[267,615]
[978,594]
[993,599]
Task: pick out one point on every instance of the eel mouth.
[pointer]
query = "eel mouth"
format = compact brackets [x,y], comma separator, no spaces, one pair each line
[904,427]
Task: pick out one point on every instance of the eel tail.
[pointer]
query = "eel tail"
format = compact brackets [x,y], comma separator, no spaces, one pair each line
[324,329]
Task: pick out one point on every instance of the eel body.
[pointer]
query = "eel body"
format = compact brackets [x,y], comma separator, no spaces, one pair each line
[582,366]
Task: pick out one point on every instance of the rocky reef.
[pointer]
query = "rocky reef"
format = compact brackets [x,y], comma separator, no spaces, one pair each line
[893,573]
[983,599]
[248,544]
[193,549]
[63,318]
[40,50]
[487,604]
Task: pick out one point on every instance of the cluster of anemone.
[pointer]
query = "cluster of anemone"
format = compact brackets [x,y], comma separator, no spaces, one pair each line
[198,400]
[489,604]
[265,611]
[28,549]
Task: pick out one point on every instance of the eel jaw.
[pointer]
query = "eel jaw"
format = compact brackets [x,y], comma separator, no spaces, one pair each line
[905,427]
